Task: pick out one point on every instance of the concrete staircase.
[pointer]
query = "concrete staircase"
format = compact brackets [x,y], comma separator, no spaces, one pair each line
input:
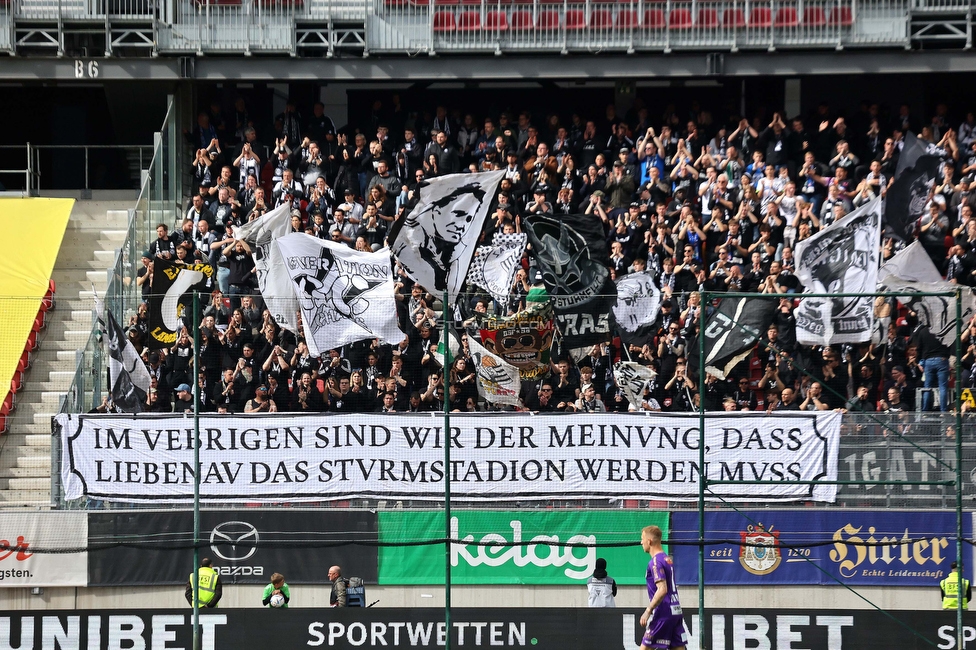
[95,231]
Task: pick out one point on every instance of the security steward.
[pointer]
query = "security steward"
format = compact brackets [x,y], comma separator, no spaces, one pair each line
[210,587]
[950,590]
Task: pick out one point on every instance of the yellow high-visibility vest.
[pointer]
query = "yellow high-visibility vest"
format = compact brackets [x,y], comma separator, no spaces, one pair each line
[208,584]
[950,587]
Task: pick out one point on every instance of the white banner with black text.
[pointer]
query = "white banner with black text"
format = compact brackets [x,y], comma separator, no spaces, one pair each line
[773,457]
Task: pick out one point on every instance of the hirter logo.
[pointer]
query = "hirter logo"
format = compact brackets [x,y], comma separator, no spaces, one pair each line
[762,555]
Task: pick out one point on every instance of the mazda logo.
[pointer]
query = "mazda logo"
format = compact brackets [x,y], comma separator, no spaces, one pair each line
[234,541]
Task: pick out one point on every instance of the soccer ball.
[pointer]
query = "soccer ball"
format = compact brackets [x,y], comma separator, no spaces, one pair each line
[277,600]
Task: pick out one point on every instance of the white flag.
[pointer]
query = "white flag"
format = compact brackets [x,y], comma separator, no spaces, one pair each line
[633,378]
[911,264]
[345,295]
[493,267]
[436,241]
[276,286]
[498,382]
[841,258]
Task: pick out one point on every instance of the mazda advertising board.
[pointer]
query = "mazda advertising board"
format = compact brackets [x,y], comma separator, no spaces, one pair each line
[245,546]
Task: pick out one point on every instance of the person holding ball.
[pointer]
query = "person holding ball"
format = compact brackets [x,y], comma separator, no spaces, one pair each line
[277,594]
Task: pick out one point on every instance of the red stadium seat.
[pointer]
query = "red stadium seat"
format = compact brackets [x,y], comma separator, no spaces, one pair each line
[601,19]
[8,405]
[3,424]
[47,303]
[680,19]
[469,21]
[627,19]
[786,17]
[16,382]
[841,17]
[575,19]
[654,19]
[548,20]
[814,17]
[444,21]
[734,18]
[708,18]
[39,322]
[496,21]
[31,342]
[761,18]
[25,362]
[522,19]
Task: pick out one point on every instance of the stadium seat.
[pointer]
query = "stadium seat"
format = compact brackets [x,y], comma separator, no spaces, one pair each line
[474,2]
[627,19]
[47,303]
[16,382]
[25,362]
[707,18]
[469,21]
[654,19]
[575,19]
[761,18]
[680,19]
[496,21]
[522,19]
[734,18]
[446,3]
[631,503]
[3,424]
[444,21]
[39,321]
[31,342]
[841,17]
[786,17]
[548,20]
[814,17]
[601,19]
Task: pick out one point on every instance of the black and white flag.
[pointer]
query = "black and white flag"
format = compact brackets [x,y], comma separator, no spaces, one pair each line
[571,254]
[633,378]
[275,284]
[128,378]
[345,295]
[731,332]
[912,272]
[498,382]
[841,258]
[493,267]
[171,298]
[436,241]
[917,173]
[638,302]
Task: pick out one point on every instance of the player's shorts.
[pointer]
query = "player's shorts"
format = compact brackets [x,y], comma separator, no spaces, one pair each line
[665,633]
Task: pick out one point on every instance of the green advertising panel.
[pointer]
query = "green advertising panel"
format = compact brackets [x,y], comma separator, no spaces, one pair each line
[513,561]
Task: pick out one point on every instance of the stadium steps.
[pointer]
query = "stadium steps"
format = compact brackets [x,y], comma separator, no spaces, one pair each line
[95,231]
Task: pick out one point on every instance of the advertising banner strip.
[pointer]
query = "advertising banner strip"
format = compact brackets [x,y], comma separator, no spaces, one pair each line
[535,628]
[545,563]
[245,546]
[50,532]
[916,547]
[325,456]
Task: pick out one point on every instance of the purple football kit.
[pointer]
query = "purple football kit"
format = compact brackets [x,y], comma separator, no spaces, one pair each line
[666,628]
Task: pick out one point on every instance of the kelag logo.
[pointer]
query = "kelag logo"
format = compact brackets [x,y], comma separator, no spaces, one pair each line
[515,547]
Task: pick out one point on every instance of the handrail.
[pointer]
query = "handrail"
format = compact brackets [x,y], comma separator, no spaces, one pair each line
[32,172]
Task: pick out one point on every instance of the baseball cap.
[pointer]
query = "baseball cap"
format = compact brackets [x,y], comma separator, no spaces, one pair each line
[183,387]
[617,163]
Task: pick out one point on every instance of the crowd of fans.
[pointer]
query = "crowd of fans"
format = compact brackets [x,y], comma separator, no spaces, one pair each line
[702,203]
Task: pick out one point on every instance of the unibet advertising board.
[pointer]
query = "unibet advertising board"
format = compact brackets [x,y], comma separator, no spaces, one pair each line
[512,559]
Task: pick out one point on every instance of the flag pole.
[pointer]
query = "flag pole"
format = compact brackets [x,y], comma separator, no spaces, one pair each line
[196,471]
[447,471]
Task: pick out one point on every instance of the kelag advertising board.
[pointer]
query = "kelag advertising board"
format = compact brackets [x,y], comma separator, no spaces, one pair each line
[245,546]
[537,629]
[754,547]
[24,533]
[520,563]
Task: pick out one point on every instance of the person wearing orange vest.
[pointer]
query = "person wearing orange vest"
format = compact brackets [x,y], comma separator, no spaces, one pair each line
[950,590]
[210,588]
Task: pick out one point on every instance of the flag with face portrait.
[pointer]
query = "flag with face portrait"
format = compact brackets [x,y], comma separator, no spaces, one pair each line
[277,289]
[522,339]
[633,378]
[842,258]
[345,295]
[498,382]
[493,267]
[916,175]
[171,299]
[571,253]
[436,241]
[638,303]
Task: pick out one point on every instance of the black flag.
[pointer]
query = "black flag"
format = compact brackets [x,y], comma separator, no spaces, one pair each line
[172,290]
[128,379]
[918,170]
[731,331]
[571,253]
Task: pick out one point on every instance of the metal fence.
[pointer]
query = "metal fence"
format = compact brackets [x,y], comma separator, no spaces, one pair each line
[410,26]
[106,166]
